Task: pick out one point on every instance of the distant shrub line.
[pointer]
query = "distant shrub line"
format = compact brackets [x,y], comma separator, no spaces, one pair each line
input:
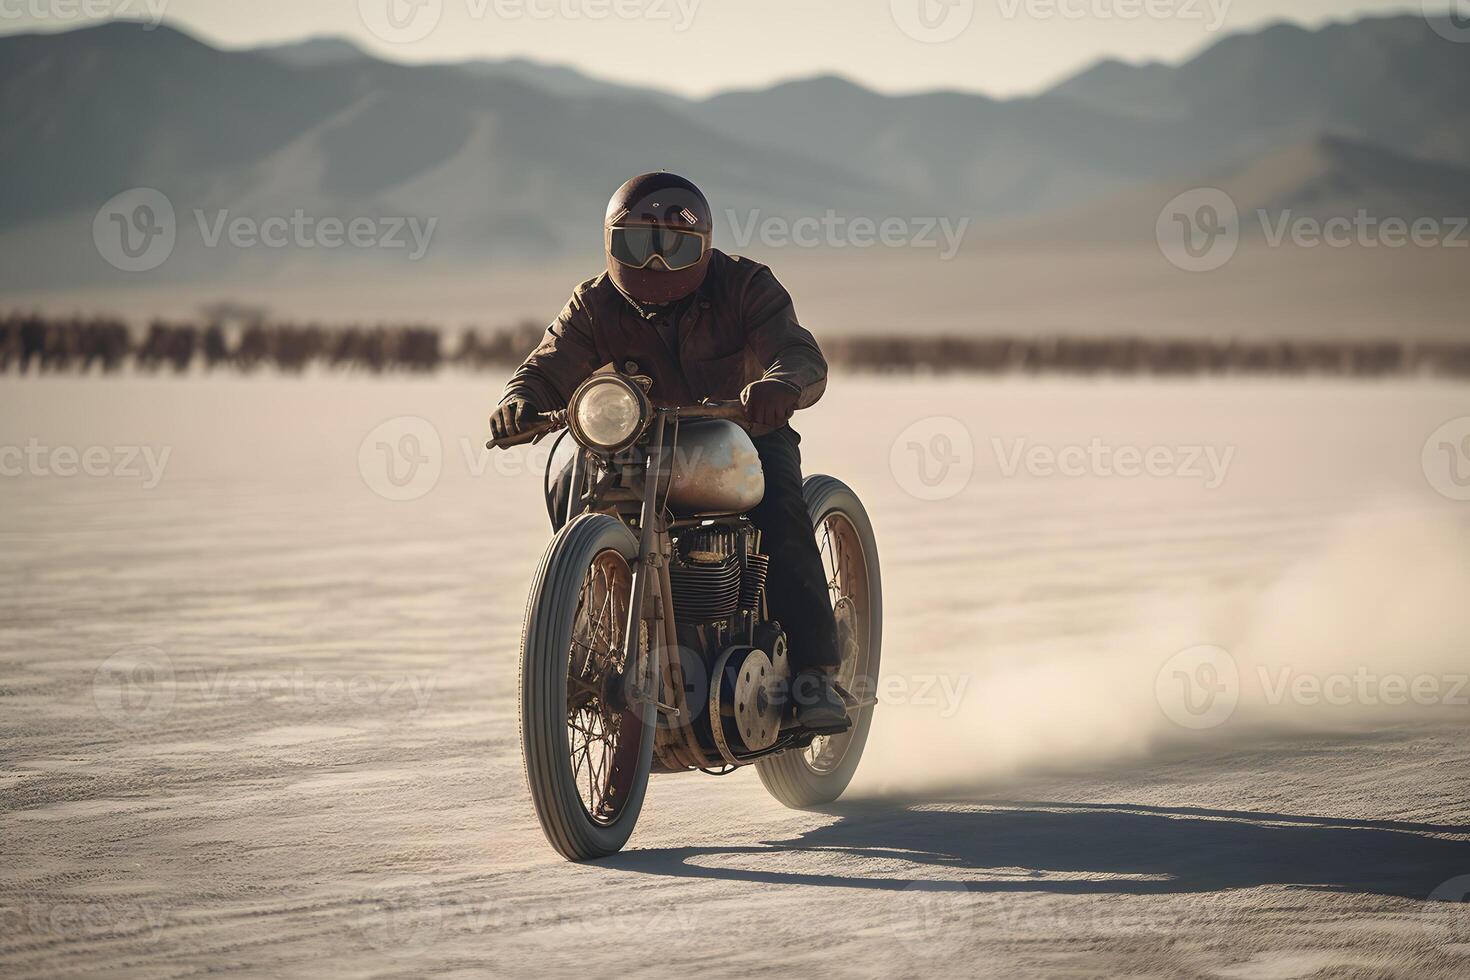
[55,345]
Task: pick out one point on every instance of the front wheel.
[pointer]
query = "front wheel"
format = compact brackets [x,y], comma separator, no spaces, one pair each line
[819,773]
[587,752]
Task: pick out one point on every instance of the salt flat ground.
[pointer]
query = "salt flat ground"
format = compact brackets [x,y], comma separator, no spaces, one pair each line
[259,718]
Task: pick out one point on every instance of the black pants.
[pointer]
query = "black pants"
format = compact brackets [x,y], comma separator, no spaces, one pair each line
[796,587]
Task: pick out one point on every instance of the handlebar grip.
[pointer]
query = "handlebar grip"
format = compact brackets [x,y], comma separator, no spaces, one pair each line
[528,433]
[734,411]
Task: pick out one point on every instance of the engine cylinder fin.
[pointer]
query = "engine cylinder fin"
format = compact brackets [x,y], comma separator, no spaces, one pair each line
[753,583]
[706,588]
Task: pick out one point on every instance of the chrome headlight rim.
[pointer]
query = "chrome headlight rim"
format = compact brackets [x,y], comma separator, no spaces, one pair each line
[644,410]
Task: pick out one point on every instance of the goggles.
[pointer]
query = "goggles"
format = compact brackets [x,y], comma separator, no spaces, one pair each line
[636,246]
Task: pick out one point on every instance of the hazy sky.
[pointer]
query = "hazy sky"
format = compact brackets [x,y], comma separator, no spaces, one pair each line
[1002,47]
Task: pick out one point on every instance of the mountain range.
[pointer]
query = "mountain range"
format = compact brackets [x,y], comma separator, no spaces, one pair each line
[515,157]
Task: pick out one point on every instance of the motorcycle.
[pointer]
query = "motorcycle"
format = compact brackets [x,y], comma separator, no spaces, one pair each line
[647,647]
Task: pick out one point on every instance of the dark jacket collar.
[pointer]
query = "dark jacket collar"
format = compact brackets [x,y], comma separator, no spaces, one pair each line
[648,311]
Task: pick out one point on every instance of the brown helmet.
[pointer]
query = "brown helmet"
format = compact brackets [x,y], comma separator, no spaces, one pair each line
[657,237]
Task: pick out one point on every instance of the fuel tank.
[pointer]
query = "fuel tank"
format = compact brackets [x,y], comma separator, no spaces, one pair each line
[716,470]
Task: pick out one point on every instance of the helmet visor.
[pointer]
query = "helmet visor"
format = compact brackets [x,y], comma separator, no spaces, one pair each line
[637,245]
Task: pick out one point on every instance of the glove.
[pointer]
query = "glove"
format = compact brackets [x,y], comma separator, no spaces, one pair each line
[512,415]
[770,402]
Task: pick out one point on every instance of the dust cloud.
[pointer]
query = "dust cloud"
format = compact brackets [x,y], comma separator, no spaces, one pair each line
[1369,629]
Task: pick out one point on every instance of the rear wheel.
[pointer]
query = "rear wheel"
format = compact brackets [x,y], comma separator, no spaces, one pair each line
[587,752]
[819,773]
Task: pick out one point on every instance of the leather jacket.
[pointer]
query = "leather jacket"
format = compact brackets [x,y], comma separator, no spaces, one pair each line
[738,327]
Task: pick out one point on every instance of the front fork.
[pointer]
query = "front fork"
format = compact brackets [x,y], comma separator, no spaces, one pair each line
[641,683]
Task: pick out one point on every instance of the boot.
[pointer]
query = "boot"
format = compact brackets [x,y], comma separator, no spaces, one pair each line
[819,708]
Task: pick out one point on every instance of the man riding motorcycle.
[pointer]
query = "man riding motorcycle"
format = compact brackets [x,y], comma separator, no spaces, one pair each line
[703,324]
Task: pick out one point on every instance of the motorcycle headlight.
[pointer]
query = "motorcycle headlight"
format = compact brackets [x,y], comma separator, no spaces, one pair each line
[608,413]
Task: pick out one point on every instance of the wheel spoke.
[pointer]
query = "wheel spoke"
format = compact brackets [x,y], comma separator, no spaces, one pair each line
[847,588]
[594,660]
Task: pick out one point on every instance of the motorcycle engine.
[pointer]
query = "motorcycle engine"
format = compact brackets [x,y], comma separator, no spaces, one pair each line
[718,576]
[717,573]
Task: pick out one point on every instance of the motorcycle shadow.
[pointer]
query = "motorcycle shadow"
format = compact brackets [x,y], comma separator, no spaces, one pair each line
[1122,849]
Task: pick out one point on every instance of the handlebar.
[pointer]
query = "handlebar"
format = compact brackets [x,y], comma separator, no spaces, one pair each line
[530,432]
[733,411]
